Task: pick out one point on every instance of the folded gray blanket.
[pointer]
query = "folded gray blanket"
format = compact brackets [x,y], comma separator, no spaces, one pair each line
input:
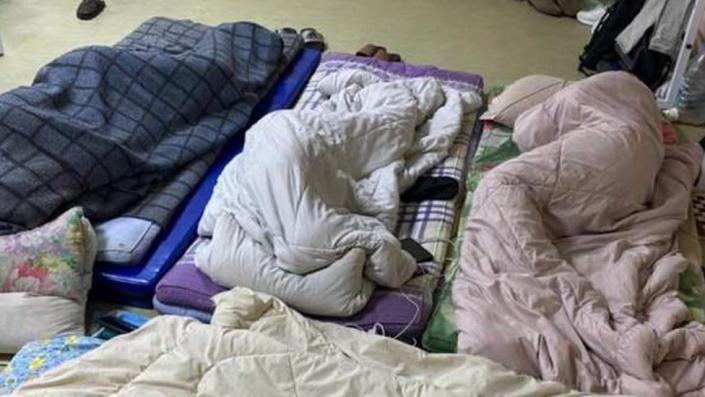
[103,127]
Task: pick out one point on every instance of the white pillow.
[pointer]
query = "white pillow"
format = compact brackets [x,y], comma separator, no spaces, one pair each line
[27,317]
[521,96]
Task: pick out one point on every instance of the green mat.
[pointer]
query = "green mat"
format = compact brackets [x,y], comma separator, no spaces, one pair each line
[495,147]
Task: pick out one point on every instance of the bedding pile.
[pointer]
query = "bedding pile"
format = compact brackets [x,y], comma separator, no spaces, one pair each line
[568,269]
[113,128]
[400,313]
[307,212]
[257,346]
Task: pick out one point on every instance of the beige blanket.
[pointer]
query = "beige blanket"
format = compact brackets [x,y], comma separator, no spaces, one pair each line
[257,346]
[568,269]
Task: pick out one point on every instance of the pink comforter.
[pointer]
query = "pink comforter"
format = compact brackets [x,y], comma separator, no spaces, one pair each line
[569,266]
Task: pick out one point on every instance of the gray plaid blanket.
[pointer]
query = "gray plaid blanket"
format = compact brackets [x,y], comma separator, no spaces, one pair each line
[103,127]
[163,200]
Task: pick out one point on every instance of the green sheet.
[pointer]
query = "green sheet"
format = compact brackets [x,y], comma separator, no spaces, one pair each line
[495,147]
[691,285]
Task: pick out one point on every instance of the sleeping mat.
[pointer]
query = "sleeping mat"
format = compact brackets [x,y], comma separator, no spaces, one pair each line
[134,285]
[396,312]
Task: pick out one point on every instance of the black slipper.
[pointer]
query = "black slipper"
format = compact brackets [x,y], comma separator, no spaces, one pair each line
[89,9]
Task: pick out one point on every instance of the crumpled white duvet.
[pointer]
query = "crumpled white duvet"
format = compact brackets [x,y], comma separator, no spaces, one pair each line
[256,346]
[306,211]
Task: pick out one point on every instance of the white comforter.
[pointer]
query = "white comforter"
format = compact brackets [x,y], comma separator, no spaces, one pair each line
[306,211]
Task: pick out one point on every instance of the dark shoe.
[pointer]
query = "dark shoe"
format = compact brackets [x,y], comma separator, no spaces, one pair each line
[394,58]
[313,39]
[381,54]
[89,9]
[367,51]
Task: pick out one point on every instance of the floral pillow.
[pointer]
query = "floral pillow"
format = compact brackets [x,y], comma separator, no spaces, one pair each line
[54,259]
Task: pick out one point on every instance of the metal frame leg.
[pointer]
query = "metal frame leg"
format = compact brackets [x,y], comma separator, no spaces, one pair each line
[667,97]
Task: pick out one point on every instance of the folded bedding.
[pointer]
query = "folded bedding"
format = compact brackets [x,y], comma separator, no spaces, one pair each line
[257,346]
[569,268]
[127,239]
[108,127]
[134,285]
[400,312]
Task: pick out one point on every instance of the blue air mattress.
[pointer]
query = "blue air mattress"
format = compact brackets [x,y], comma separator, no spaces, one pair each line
[134,285]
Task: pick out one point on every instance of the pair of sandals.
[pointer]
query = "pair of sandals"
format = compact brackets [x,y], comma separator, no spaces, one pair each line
[313,39]
[378,52]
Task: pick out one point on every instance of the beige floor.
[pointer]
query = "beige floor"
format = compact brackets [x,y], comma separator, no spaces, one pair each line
[499,39]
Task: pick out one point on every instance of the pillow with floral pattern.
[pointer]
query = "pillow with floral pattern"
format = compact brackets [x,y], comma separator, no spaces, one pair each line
[54,259]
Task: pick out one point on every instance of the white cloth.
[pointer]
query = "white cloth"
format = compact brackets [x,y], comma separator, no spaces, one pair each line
[306,212]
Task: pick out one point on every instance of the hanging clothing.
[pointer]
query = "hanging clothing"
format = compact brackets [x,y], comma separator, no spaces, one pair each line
[647,17]
[667,35]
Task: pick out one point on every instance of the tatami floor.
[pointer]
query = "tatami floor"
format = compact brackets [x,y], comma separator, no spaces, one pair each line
[499,39]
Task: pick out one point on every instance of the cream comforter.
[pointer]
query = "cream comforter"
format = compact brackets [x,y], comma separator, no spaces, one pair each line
[257,346]
[569,264]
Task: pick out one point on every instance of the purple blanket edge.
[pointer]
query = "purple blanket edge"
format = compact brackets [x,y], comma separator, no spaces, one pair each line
[407,70]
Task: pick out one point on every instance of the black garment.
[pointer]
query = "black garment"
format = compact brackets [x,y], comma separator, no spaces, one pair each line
[431,188]
[602,53]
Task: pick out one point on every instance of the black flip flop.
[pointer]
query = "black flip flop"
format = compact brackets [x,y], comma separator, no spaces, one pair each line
[313,39]
[89,9]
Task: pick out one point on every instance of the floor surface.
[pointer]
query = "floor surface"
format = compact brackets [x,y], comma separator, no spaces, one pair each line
[499,39]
